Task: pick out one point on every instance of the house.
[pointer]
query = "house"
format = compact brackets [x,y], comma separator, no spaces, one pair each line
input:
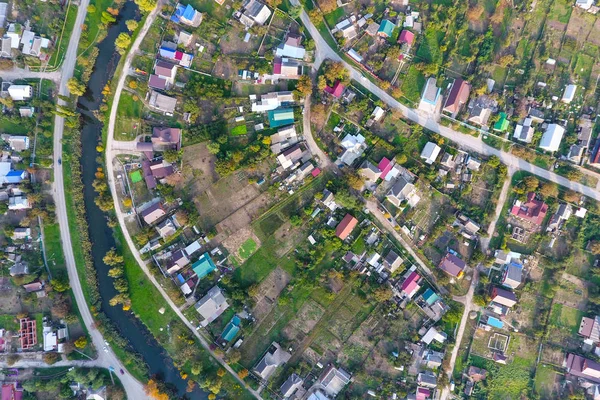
[3,11]
[427,379]
[586,126]
[287,68]
[26,112]
[347,28]
[468,225]
[433,334]
[410,286]
[177,261]
[284,138]
[595,156]
[272,101]
[328,200]
[166,138]
[376,115]
[291,47]
[430,152]
[524,132]
[532,210]
[191,17]
[422,394]
[336,90]
[476,374]
[480,110]
[457,97]
[273,358]
[14,33]
[290,157]
[354,145]
[5,47]
[512,275]
[582,367]
[20,92]
[433,359]
[499,358]
[18,203]
[585,4]
[34,286]
[333,380]
[345,227]
[452,265]
[211,305]
[589,328]
[152,213]
[203,266]
[569,94]
[162,103]
[166,228]
[19,268]
[164,75]
[392,261]
[18,143]
[385,166]
[21,234]
[27,333]
[33,44]
[184,38]
[169,51]
[562,215]
[11,390]
[291,384]
[403,190]
[407,37]
[369,172]
[552,137]
[372,29]
[503,297]
[502,124]
[281,117]
[386,29]
[430,96]
[255,12]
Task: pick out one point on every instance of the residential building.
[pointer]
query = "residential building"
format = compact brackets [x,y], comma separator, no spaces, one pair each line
[20,92]
[586,127]
[503,297]
[291,385]
[476,374]
[430,96]
[289,158]
[585,4]
[281,117]
[430,152]
[524,132]
[166,138]
[532,210]
[410,286]
[402,190]
[19,268]
[422,394]
[255,12]
[162,103]
[354,146]
[569,94]
[499,358]
[589,328]
[392,261]
[185,38]
[169,51]
[407,37]
[512,275]
[18,143]
[19,202]
[502,124]
[328,200]
[164,75]
[177,261]
[433,334]
[582,367]
[291,47]
[336,90]
[552,137]
[191,17]
[370,173]
[284,138]
[287,68]
[457,97]
[11,390]
[347,28]
[21,234]
[5,47]
[271,101]
[433,359]
[273,358]
[376,115]
[345,227]
[204,266]
[480,110]
[427,379]
[166,228]
[562,215]
[386,28]
[452,265]
[333,380]
[386,166]
[211,306]
[26,112]
[152,212]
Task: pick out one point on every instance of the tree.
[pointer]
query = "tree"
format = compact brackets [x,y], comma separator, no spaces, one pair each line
[335,71]
[327,6]
[127,201]
[131,24]
[243,373]
[12,359]
[401,158]
[75,87]
[116,272]
[295,12]
[152,388]
[196,369]
[145,5]
[213,147]
[355,180]
[60,283]
[81,342]
[304,86]
[50,358]
[530,183]
[112,258]
[133,84]
[122,42]
[171,156]
[549,189]
[383,293]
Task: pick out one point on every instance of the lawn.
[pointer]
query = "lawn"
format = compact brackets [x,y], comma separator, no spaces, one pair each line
[129,107]
[239,130]
[565,317]
[63,41]
[9,322]
[429,49]
[136,176]
[129,112]
[544,381]
[14,128]
[54,252]
[247,248]
[413,84]
[261,263]
[335,16]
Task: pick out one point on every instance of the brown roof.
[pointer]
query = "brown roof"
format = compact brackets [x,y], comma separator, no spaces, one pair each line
[583,368]
[165,136]
[152,213]
[504,297]
[458,96]
[164,68]
[346,226]
[477,374]
[157,82]
[452,265]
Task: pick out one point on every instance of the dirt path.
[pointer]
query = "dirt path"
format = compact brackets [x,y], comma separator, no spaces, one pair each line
[485,242]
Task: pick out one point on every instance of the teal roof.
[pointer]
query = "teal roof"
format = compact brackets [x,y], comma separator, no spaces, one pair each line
[232,328]
[280,117]
[502,124]
[430,296]
[386,27]
[204,266]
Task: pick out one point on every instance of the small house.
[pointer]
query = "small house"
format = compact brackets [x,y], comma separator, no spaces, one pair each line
[336,90]
[552,137]
[503,297]
[333,380]
[273,359]
[20,92]
[452,265]
[255,12]
[433,334]
[406,37]
[512,275]
[524,132]
[386,29]
[430,96]
[532,210]
[211,306]
[345,227]
[569,94]
[457,97]
[430,152]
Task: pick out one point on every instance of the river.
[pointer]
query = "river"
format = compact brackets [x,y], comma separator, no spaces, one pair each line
[142,341]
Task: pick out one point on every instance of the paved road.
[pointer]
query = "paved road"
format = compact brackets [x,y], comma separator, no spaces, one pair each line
[133,388]
[120,216]
[469,142]
[20,73]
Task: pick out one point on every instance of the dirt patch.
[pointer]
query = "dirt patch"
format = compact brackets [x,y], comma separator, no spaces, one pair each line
[202,165]
[580,25]
[558,26]
[595,39]
[335,284]
[234,242]
[552,354]
[268,292]
[306,319]
[573,292]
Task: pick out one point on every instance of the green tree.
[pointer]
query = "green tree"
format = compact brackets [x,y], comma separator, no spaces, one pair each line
[81,342]
[112,258]
[171,156]
[122,42]
[213,148]
[131,24]
[75,87]
[145,5]
[60,283]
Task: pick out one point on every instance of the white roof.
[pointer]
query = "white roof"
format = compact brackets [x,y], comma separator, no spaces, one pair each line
[430,152]
[552,137]
[355,55]
[569,94]
[377,113]
[433,334]
[20,92]
[192,248]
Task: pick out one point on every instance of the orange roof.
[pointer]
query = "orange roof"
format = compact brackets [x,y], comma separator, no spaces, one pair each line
[345,227]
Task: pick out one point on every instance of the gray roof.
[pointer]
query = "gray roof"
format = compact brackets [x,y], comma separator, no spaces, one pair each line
[162,102]
[291,385]
[212,305]
[273,358]
[334,380]
[400,190]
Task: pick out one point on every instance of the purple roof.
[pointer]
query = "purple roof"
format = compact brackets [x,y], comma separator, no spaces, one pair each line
[156,82]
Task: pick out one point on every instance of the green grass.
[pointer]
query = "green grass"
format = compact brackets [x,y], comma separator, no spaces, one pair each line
[429,49]
[61,47]
[335,16]
[563,316]
[54,251]
[261,263]
[128,107]
[14,128]
[39,326]
[544,381]
[413,84]
[9,322]
[247,248]
[239,130]
[136,176]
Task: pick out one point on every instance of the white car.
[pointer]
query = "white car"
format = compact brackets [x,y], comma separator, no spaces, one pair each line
[105,349]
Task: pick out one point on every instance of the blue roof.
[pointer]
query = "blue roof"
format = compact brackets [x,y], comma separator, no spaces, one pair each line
[280,117]
[15,176]
[189,12]
[232,328]
[181,279]
[495,322]
[204,266]
[178,13]
[430,296]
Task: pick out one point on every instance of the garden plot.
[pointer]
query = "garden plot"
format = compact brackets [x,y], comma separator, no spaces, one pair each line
[547,382]
[531,311]
[348,317]
[242,245]
[233,42]
[306,319]
[552,354]
[202,164]
[563,326]
[268,292]
[573,292]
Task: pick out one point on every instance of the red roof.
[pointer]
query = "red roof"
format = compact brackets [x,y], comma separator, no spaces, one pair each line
[315,172]
[423,393]
[384,166]
[336,90]
[345,227]
[400,57]
[406,37]
[533,210]
[277,66]
[411,283]
[178,55]
[458,96]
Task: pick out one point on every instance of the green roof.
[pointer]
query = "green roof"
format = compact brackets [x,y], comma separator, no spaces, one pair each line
[136,176]
[386,27]
[204,266]
[502,124]
[430,296]
[280,117]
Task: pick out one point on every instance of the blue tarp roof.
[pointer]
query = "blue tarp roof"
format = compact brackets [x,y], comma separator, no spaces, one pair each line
[495,322]
[189,13]
[180,279]
[232,328]
[430,296]
[14,176]
[178,13]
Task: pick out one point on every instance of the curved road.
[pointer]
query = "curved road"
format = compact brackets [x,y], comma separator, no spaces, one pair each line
[121,217]
[133,387]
